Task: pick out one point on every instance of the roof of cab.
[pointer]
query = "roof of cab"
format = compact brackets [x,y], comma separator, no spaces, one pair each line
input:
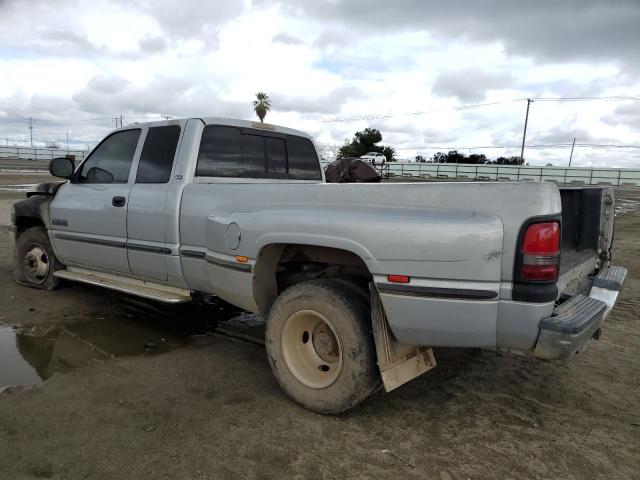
[232,122]
[250,124]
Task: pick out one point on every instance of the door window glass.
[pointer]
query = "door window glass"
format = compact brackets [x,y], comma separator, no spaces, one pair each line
[158,152]
[111,161]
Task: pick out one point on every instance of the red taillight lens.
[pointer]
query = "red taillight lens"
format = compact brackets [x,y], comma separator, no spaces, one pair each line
[542,238]
[541,252]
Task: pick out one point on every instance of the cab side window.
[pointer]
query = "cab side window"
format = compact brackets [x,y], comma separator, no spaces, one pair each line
[158,152]
[111,161]
[234,152]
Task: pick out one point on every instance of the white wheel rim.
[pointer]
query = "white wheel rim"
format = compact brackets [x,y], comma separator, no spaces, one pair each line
[312,349]
[36,264]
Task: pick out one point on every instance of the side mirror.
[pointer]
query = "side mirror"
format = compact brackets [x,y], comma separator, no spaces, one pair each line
[62,167]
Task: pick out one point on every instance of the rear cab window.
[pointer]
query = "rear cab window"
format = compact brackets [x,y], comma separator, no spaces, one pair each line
[227,151]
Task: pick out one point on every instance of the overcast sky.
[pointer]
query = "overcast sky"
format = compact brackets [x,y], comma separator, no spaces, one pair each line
[73,65]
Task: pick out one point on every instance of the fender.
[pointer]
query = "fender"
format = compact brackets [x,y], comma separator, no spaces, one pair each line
[34,210]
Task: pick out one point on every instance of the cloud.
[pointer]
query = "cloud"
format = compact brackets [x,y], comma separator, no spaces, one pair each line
[546,29]
[327,103]
[334,36]
[175,96]
[287,39]
[566,134]
[153,44]
[470,84]
[82,63]
[627,115]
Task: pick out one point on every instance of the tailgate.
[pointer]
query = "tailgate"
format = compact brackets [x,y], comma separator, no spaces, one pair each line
[587,235]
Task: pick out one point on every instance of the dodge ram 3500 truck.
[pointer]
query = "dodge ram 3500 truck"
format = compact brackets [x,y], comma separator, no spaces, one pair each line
[356,281]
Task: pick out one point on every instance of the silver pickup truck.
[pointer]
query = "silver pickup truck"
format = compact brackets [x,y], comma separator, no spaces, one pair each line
[356,281]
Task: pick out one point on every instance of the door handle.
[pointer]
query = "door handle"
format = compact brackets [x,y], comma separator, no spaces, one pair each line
[118,201]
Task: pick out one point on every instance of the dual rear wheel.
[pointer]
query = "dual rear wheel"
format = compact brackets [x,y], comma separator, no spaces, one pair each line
[320,346]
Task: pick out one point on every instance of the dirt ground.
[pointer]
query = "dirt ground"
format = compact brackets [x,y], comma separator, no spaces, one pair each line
[206,405]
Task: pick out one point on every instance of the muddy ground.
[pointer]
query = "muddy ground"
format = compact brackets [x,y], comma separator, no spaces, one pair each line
[132,393]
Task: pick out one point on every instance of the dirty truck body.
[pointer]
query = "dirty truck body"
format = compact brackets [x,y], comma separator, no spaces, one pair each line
[176,210]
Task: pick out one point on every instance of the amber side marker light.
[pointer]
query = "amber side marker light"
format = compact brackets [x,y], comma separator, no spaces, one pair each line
[398,278]
[241,259]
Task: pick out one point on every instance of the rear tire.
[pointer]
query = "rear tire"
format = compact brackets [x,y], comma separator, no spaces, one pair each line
[320,347]
[35,261]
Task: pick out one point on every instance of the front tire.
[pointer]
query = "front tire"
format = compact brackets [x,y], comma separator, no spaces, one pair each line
[35,261]
[320,347]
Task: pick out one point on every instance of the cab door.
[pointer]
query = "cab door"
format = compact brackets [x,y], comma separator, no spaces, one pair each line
[148,214]
[89,213]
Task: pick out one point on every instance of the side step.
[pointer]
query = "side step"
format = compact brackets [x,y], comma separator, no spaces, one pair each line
[140,288]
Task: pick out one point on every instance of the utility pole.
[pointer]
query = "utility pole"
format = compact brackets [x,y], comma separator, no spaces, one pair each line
[31,131]
[120,120]
[67,143]
[571,156]
[524,134]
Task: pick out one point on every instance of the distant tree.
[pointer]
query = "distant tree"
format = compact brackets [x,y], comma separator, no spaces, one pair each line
[477,159]
[439,157]
[364,142]
[453,156]
[456,157]
[261,105]
[515,160]
[420,159]
[390,153]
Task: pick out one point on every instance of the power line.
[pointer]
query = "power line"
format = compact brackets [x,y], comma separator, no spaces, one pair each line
[497,147]
[425,112]
[541,146]
[587,99]
[477,105]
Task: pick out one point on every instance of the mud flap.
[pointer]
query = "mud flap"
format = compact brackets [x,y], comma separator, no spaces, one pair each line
[398,362]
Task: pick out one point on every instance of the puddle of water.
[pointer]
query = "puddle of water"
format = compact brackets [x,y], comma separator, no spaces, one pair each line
[14,370]
[29,355]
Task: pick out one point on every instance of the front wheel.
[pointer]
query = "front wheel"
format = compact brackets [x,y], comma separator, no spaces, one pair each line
[320,347]
[35,261]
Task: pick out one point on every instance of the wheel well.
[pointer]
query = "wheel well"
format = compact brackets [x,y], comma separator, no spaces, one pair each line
[23,223]
[279,266]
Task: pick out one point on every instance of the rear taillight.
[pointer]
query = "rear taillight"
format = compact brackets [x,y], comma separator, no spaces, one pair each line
[540,252]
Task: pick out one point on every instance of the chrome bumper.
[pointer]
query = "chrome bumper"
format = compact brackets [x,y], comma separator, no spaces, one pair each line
[577,320]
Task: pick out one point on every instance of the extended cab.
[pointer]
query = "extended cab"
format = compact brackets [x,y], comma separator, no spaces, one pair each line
[356,281]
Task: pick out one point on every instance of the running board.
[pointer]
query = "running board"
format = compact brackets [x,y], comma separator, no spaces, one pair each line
[140,288]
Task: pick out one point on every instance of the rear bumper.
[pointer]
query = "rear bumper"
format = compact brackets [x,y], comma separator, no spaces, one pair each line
[577,320]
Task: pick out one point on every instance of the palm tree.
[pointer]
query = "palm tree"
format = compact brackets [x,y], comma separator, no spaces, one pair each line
[261,105]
